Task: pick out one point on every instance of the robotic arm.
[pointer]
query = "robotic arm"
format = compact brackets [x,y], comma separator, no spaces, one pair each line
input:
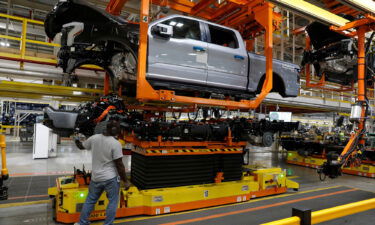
[352,151]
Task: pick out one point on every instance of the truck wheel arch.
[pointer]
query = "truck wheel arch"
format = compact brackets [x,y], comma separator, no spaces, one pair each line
[278,84]
[123,43]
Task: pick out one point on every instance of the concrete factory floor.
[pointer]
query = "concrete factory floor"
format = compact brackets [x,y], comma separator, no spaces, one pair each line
[31,178]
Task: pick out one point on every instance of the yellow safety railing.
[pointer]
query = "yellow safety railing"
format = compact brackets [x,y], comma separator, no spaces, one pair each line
[329,214]
[26,90]
[23,40]
[343,97]
[22,56]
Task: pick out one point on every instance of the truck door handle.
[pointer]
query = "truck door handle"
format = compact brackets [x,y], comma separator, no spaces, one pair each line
[239,57]
[199,49]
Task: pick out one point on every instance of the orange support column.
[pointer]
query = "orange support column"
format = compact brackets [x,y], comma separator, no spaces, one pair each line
[106,84]
[144,89]
[264,16]
[4,170]
[361,32]
[361,27]
[308,66]
[114,6]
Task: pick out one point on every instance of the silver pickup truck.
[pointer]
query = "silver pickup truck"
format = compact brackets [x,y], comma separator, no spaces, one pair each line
[184,53]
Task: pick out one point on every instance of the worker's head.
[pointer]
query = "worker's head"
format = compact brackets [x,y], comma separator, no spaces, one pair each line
[113,128]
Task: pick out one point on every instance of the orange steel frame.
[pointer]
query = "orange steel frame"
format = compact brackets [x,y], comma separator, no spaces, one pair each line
[337,7]
[252,12]
[114,6]
[170,153]
[161,108]
[361,26]
[228,142]
[172,145]
[321,84]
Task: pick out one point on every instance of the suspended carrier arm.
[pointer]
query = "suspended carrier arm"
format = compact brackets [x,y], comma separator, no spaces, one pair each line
[352,151]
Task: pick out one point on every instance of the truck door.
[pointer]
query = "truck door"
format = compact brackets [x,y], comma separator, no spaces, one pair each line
[181,57]
[227,59]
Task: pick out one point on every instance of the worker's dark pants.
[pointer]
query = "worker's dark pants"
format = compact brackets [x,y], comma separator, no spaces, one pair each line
[111,187]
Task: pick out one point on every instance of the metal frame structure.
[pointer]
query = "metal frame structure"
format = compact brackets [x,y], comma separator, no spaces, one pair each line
[19,118]
[321,84]
[258,11]
[361,26]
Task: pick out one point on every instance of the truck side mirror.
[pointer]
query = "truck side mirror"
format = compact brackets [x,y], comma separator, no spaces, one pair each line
[162,30]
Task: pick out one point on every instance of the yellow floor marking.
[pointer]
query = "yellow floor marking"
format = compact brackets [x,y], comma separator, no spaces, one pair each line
[292,177]
[15,204]
[222,206]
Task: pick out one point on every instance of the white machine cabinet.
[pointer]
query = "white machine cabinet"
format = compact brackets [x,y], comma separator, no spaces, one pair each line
[45,142]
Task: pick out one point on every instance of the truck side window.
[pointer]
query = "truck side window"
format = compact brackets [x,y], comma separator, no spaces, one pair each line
[223,37]
[184,28]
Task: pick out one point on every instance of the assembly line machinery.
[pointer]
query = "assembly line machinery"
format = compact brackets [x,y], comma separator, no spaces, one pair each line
[312,150]
[359,21]
[190,165]
[357,57]
[355,147]
[171,175]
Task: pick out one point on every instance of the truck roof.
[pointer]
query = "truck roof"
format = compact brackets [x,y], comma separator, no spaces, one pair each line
[194,18]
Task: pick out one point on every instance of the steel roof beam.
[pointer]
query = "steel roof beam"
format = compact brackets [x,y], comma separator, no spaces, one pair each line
[310,10]
[366,6]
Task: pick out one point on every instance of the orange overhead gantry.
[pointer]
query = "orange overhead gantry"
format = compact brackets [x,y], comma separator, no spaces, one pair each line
[352,151]
[335,7]
[362,26]
[114,7]
[250,17]
[321,84]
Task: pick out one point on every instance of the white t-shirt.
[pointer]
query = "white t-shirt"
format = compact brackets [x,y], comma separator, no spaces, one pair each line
[105,149]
